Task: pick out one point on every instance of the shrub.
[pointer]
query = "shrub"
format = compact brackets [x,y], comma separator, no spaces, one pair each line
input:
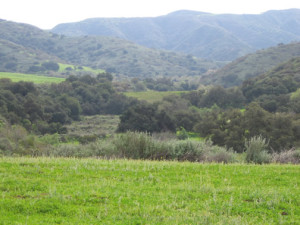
[134,145]
[182,134]
[289,156]
[51,66]
[214,153]
[164,136]
[256,150]
[187,150]
[103,149]
[5,145]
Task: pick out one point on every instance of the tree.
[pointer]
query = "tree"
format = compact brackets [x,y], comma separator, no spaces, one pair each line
[145,117]
[257,120]
[51,66]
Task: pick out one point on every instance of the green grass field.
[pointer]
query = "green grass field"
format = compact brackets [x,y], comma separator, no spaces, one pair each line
[15,77]
[152,96]
[94,191]
[63,67]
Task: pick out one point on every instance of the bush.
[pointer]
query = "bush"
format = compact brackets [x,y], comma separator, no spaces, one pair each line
[135,145]
[131,145]
[214,153]
[187,151]
[51,66]
[256,150]
[182,134]
[289,156]
[103,149]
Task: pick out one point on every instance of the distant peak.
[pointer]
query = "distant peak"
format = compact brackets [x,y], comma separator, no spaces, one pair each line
[187,12]
[294,10]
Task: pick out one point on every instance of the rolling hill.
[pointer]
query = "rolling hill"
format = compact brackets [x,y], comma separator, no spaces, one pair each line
[222,37]
[252,65]
[22,42]
[283,79]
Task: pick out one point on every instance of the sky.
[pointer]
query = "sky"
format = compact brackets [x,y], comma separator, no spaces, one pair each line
[45,14]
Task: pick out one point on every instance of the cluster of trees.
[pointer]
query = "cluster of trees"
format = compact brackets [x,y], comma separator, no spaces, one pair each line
[267,105]
[158,84]
[46,108]
[227,116]
[167,84]
[275,90]
[46,66]
[231,128]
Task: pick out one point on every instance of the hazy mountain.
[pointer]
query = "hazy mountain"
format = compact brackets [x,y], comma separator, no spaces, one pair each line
[112,54]
[221,37]
[252,65]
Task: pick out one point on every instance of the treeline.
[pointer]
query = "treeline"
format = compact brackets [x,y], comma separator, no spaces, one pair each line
[266,106]
[47,108]
[158,84]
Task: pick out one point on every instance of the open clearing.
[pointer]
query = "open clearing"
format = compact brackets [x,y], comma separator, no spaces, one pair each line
[152,96]
[16,77]
[94,191]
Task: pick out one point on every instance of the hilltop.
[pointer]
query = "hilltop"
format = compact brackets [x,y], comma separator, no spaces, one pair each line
[222,37]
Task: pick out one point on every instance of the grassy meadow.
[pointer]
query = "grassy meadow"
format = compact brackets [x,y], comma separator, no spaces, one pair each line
[65,67]
[96,191]
[38,79]
[152,96]
[15,77]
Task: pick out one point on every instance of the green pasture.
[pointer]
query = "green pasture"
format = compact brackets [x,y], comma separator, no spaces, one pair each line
[15,77]
[96,191]
[63,68]
[152,96]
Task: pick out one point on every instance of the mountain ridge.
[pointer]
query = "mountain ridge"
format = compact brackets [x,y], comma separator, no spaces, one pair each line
[197,33]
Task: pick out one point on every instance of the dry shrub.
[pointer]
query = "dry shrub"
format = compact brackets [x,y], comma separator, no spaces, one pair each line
[289,156]
[256,150]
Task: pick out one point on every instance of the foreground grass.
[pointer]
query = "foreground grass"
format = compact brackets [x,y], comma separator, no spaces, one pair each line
[16,77]
[91,191]
[152,96]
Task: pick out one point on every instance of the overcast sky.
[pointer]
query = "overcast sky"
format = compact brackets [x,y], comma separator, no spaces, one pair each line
[48,13]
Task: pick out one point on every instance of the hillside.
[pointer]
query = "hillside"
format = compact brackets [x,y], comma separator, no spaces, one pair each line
[17,58]
[252,65]
[223,37]
[111,54]
[283,79]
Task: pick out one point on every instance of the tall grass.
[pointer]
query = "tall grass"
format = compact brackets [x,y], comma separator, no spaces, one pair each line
[135,145]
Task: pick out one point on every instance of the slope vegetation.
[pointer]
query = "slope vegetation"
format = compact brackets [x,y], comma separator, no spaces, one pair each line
[252,65]
[111,54]
[282,80]
[218,37]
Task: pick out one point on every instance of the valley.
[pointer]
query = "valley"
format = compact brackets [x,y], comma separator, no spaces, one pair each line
[190,117]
